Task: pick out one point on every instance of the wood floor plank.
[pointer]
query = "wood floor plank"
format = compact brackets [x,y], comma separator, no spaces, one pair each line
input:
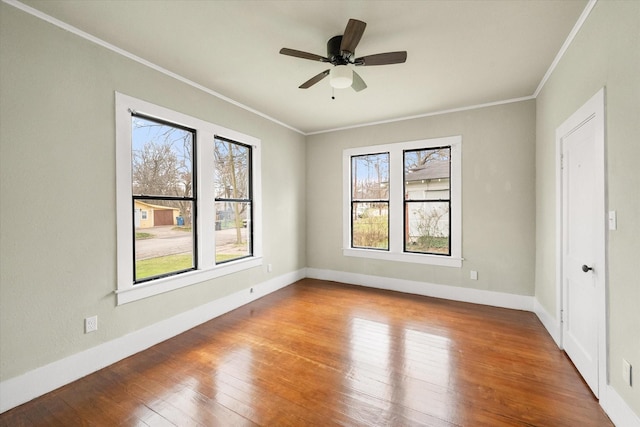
[319,353]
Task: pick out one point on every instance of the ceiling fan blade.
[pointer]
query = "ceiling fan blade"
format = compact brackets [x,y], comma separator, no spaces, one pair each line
[358,84]
[303,55]
[352,35]
[313,80]
[382,59]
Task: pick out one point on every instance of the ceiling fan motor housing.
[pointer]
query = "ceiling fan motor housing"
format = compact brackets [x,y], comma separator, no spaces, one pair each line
[334,54]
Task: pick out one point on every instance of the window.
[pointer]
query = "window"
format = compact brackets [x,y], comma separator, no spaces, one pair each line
[427,203]
[162,159]
[188,200]
[370,201]
[403,202]
[233,200]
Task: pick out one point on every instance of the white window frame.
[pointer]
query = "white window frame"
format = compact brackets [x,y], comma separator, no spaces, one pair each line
[205,222]
[396,205]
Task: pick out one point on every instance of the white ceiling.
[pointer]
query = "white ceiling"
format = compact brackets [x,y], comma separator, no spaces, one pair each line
[460,53]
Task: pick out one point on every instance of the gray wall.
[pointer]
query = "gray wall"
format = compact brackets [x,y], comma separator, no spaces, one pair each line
[498,197]
[606,52]
[58,213]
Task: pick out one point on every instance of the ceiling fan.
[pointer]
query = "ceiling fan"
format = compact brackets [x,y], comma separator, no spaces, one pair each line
[341,53]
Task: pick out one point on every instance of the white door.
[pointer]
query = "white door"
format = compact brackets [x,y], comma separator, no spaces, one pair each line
[580,292]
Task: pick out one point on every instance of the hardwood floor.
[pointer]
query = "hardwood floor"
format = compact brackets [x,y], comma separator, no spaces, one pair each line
[320,353]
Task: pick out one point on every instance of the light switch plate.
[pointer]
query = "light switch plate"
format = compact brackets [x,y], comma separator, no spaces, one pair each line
[626,372]
[613,220]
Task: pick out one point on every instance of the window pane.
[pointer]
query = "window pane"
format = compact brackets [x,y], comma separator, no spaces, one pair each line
[370,177]
[427,174]
[427,227]
[232,170]
[233,230]
[370,225]
[163,241]
[161,159]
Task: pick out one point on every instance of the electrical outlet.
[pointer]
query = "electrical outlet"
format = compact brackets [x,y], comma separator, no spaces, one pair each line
[627,372]
[269,268]
[90,324]
[473,275]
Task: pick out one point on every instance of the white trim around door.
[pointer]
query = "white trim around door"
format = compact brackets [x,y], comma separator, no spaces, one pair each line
[592,110]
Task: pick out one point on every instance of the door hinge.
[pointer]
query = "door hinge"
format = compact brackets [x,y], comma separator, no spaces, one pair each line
[561,161]
[562,318]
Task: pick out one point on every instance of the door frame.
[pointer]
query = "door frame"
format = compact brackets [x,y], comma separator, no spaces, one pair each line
[593,109]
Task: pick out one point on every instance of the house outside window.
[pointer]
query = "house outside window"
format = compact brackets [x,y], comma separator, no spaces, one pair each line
[170,168]
[402,202]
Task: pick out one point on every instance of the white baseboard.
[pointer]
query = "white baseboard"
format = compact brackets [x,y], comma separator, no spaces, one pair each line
[617,409]
[23,388]
[476,296]
[551,323]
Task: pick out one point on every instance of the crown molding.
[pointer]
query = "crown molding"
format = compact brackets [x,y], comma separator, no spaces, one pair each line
[574,31]
[78,32]
[63,25]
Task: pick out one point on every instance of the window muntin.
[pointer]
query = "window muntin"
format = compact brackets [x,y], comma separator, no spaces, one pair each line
[370,201]
[162,180]
[427,203]
[446,249]
[193,215]
[233,226]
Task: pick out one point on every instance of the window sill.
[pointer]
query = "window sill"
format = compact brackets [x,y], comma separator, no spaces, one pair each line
[443,261]
[166,284]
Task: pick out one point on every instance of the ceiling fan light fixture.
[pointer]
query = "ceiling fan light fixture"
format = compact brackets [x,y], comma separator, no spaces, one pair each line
[341,76]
